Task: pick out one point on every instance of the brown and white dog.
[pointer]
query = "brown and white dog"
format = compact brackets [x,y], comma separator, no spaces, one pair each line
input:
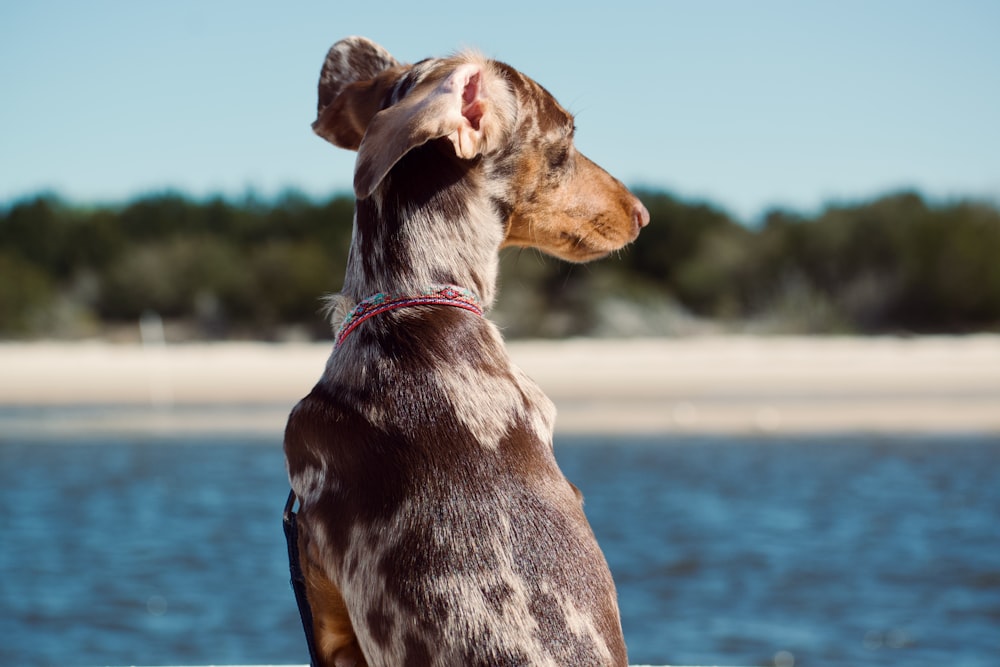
[435,527]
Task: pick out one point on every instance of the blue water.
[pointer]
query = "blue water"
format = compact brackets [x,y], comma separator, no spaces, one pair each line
[851,551]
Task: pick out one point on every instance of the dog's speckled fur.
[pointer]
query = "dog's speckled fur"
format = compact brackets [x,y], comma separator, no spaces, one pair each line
[435,525]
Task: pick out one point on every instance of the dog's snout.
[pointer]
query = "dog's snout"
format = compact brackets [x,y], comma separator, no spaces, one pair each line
[640,216]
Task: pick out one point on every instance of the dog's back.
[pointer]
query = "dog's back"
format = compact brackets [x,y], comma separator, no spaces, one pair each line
[454,548]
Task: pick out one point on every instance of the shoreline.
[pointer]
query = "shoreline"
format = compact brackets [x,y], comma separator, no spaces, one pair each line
[725,385]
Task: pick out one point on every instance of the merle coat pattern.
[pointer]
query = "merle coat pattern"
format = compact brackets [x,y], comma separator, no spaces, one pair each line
[435,525]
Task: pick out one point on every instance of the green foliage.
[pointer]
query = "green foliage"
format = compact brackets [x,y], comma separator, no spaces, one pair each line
[25,293]
[170,278]
[676,234]
[249,268]
[899,264]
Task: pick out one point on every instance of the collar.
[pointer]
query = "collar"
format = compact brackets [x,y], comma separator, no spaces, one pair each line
[436,295]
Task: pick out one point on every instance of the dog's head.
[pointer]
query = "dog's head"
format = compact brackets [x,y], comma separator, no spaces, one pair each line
[494,119]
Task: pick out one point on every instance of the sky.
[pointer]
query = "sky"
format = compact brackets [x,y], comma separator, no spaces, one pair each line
[746,105]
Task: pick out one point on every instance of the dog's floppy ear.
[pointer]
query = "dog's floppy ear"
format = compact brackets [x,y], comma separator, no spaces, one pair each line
[353,83]
[467,105]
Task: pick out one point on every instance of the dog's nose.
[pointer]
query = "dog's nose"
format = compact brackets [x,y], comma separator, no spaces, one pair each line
[640,216]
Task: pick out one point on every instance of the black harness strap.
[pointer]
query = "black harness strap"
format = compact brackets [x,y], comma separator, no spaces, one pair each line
[298,579]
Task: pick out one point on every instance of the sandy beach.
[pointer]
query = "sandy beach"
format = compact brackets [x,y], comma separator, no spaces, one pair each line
[710,385]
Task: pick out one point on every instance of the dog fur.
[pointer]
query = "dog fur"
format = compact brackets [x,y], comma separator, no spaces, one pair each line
[435,525]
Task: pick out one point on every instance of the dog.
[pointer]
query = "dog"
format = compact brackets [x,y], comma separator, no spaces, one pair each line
[435,527]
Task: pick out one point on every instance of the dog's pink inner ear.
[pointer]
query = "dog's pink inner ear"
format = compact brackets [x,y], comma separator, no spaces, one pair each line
[472,104]
[468,113]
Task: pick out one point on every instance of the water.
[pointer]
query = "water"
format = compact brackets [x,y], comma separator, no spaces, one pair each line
[851,551]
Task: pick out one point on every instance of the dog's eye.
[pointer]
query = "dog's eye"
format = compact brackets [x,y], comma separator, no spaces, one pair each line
[558,157]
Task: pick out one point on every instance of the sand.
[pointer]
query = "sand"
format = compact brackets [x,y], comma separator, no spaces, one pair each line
[711,385]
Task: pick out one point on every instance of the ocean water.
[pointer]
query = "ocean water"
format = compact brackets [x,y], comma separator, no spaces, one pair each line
[822,551]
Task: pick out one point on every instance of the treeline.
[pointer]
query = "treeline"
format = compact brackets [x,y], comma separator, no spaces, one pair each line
[253,269]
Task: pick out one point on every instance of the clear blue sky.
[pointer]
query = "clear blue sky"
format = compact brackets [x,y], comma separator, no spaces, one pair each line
[745,104]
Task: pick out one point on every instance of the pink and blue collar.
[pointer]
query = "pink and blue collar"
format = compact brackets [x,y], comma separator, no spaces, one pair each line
[438,295]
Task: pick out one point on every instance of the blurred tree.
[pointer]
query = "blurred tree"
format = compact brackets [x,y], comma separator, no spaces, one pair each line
[35,230]
[168,277]
[25,293]
[288,282]
[897,263]
[675,235]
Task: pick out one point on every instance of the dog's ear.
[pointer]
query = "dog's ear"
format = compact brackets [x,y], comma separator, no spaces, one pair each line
[355,79]
[344,121]
[468,105]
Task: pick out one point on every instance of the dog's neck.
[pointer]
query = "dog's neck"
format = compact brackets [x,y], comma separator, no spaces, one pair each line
[429,222]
